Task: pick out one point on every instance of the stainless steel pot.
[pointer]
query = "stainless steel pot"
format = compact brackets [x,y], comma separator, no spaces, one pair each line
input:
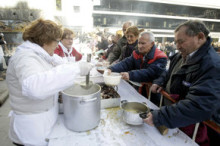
[81,107]
[131,111]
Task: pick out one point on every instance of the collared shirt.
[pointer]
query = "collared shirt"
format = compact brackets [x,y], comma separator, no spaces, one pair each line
[177,67]
[188,57]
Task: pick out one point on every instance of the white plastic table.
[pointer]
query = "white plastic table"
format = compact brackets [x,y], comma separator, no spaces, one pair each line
[113,131]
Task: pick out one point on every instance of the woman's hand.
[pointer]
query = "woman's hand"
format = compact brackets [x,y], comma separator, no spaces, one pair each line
[85,68]
[107,72]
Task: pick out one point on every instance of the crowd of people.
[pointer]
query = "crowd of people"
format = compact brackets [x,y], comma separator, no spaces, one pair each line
[111,47]
[3,65]
[46,63]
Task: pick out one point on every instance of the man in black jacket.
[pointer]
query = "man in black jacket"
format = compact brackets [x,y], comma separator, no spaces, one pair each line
[115,54]
[144,65]
[193,80]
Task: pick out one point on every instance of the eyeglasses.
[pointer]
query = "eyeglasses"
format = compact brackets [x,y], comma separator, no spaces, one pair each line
[70,39]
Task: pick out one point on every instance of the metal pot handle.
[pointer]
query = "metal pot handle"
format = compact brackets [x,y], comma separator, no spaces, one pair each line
[83,101]
[144,114]
[144,103]
[162,129]
[122,102]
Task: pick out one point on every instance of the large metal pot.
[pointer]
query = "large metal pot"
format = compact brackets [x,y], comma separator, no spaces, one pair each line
[81,107]
[132,110]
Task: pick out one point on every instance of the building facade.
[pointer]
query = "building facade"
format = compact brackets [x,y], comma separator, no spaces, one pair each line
[161,17]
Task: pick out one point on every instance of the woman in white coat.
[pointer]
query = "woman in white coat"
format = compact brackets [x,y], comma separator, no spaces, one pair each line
[34,77]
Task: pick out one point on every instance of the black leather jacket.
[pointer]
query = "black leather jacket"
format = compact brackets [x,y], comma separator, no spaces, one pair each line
[198,85]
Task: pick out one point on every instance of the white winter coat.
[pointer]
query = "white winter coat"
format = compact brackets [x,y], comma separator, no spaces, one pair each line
[34,79]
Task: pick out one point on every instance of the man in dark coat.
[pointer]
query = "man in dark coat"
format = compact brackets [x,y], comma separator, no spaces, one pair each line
[115,54]
[193,80]
[145,64]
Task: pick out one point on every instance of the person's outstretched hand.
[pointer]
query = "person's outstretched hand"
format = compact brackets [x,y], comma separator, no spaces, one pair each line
[155,88]
[107,72]
[149,119]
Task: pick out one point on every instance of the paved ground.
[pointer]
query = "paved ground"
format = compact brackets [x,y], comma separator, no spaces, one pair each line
[4,119]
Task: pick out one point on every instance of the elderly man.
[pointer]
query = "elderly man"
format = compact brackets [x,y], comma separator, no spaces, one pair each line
[193,79]
[145,64]
[115,54]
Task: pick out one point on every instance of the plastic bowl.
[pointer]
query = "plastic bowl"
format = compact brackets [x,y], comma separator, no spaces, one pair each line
[113,79]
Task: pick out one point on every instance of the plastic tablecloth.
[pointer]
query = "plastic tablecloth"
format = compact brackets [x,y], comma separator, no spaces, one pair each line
[113,131]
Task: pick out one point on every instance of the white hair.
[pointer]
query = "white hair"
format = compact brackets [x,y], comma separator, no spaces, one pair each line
[152,38]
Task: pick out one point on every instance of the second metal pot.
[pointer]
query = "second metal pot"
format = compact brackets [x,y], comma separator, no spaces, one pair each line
[131,111]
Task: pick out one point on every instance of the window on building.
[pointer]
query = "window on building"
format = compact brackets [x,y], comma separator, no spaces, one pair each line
[164,24]
[147,24]
[104,20]
[76,9]
[58,5]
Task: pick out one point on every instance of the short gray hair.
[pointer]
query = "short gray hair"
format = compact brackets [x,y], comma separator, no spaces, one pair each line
[149,33]
[193,27]
[129,23]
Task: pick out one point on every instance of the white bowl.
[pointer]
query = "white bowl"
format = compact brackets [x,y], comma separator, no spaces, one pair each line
[113,79]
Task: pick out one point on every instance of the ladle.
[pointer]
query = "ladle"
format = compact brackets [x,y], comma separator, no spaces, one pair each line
[88,84]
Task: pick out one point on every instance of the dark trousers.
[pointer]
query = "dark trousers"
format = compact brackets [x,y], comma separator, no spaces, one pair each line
[214,137]
[202,135]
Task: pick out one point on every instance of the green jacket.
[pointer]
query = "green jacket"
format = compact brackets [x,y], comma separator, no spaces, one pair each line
[115,54]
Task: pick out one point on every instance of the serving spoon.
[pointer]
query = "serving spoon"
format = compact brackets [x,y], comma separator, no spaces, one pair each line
[88,84]
[135,83]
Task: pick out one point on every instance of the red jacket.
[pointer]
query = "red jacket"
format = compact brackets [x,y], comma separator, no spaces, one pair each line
[59,51]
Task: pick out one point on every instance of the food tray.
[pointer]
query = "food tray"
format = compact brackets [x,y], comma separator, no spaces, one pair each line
[109,97]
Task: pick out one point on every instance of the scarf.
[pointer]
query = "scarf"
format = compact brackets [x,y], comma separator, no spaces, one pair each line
[65,50]
[130,48]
